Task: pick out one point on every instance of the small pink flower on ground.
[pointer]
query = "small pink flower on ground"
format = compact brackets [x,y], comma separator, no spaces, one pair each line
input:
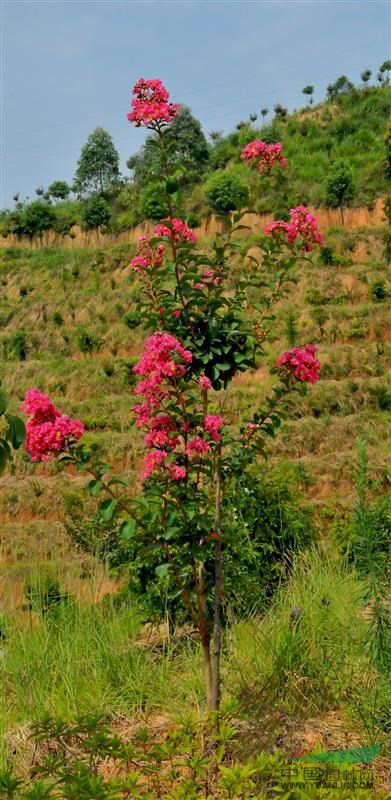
[204,382]
[198,285]
[264,156]
[176,313]
[48,432]
[150,104]
[212,424]
[301,363]
[178,230]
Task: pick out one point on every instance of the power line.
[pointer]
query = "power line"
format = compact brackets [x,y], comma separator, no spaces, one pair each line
[45,145]
[218,85]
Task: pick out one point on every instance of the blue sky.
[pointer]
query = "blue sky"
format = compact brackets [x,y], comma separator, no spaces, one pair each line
[68,67]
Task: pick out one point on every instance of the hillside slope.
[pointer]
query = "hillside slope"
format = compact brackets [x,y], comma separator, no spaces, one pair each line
[58,303]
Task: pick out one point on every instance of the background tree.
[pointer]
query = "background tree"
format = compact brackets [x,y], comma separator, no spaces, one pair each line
[216,136]
[253,118]
[189,143]
[98,165]
[264,112]
[340,186]
[280,111]
[37,218]
[143,163]
[384,69]
[189,150]
[59,190]
[226,192]
[366,76]
[96,213]
[308,91]
[152,204]
[341,86]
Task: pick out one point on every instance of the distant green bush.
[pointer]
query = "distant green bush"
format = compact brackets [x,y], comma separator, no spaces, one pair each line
[225,192]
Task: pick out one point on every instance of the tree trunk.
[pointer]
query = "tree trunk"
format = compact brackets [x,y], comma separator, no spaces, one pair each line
[208,675]
[216,656]
[342,216]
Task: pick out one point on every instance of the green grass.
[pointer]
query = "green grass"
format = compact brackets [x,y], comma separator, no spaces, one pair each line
[307,656]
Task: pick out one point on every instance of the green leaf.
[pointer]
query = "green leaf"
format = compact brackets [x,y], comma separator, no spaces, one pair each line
[94,487]
[128,529]
[171,186]
[162,570]
[4,458]
[120,481]
[18,431]
[3,403]
[107,509]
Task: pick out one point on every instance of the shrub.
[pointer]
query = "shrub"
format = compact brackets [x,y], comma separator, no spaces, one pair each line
[96,213]
[87,343]
[37,218]
[18,345]
[226,192]
[58,319]
[132,319]
[378,291]
[152,205]
[380,398]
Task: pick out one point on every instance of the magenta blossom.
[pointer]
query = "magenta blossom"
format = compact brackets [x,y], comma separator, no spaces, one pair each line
[48,432]
[301,363]
[145,257]
[264,156]
[150,104]
[302,230]
[212,424]
[179,231]
[204,382]
[196,447]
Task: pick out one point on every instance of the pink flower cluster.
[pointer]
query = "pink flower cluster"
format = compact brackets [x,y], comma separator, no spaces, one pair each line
[150,104]
[179,231]
[161,458]
[204,382]
[48,432]
[212,424]
[163,361]
[302,230]
[145,257]
[264,156]
[301,363]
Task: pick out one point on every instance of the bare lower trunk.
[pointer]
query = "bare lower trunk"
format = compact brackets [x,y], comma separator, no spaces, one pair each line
[216,655]
[208,675]
[342,216]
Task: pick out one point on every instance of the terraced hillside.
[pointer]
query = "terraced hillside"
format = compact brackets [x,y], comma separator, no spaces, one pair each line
[69,328]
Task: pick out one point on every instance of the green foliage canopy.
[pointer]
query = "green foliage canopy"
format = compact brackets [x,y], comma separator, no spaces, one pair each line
[98,165]
[226,192]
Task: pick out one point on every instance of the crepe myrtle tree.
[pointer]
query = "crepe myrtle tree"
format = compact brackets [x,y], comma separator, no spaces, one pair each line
[207,323]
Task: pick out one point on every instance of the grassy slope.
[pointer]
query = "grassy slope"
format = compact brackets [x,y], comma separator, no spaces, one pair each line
[93,289]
